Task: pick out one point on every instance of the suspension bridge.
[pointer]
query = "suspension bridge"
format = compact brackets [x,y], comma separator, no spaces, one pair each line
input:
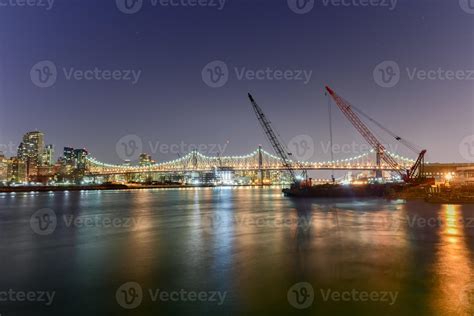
[259,160]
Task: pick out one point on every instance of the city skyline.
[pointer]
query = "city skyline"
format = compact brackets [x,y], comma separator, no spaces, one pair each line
[151,150]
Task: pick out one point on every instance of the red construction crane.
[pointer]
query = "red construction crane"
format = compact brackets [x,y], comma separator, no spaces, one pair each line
[278,146]
[414,172]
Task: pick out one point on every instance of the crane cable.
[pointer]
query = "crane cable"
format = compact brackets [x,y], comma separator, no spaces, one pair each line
[405,142]
[331,136]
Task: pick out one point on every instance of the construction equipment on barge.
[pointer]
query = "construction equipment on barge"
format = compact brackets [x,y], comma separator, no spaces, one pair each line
[302,186]
[279,147]
[414,174]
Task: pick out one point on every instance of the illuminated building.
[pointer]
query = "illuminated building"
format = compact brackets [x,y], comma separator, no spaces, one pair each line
[80,159]
[74,162]
[48,155]
[17,170]
[225,176]
[3,168]
[68,156]
[145,160]
[465,174]
[455,172]
[31,150]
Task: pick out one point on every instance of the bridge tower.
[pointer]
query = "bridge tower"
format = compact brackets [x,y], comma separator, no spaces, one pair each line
[194,159]
[378,171]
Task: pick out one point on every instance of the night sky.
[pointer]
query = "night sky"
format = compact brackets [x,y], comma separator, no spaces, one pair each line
[171,104]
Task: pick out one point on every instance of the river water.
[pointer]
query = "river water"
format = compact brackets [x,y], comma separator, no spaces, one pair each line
[232,251]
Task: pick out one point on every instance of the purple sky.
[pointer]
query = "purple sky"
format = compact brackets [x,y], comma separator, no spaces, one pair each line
[171,104]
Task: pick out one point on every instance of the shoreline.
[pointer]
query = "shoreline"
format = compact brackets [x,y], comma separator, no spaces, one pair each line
[22,189]
[408,194]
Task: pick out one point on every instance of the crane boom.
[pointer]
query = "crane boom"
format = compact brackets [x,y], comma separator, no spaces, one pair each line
[273,139]
[416,171]
[364,131]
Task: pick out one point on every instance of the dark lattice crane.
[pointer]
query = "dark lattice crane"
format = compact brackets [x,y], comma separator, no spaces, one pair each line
[277,145]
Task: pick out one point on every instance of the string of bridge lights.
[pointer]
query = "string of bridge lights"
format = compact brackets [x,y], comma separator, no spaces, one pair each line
[253,154]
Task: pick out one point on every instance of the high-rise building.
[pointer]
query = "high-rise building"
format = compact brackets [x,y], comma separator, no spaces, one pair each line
[17,170]
[80,159]
[30,151]
[31,148]
[48,155]
[74,158]
[145,160]
[3,168]
[68,156]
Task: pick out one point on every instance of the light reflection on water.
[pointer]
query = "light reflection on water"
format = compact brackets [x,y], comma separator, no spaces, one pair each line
[454,287]
[252,243]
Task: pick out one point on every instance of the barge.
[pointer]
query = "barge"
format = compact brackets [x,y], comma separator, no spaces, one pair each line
[345,191]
